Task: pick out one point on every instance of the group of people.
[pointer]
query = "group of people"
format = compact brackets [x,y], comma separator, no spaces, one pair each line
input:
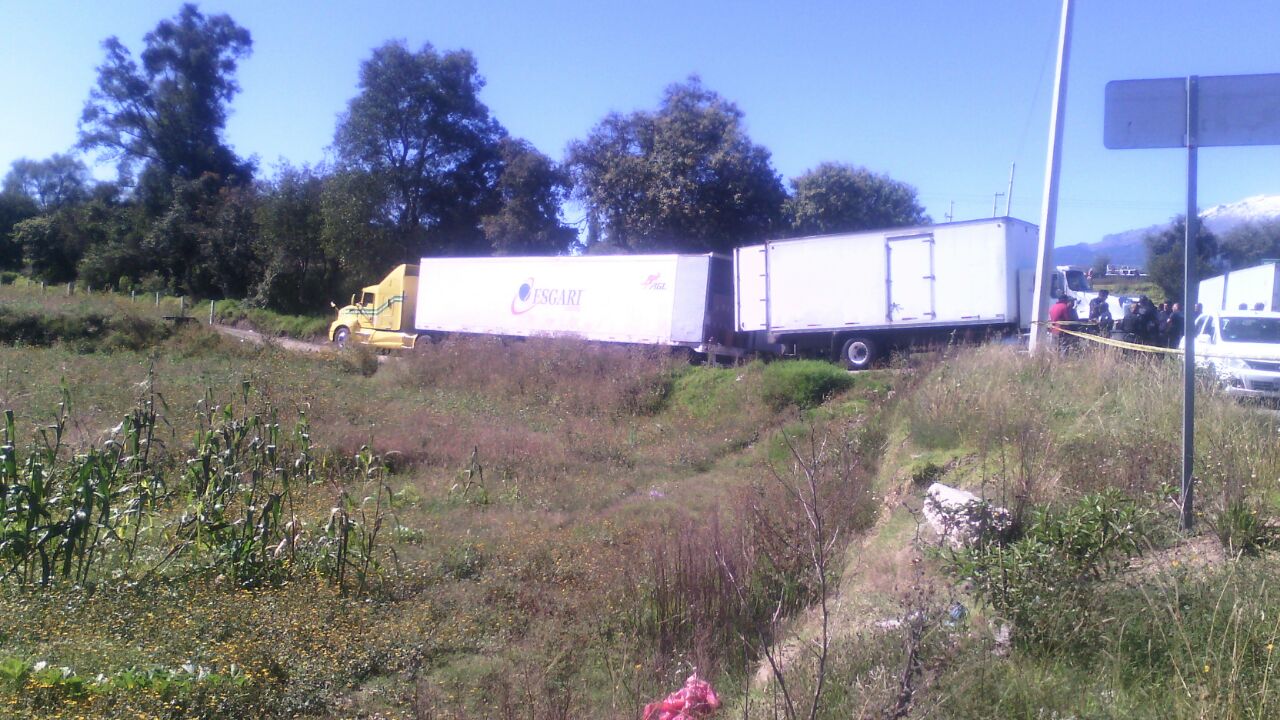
[1144,322]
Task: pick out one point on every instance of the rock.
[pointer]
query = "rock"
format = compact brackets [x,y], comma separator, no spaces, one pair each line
[961,518]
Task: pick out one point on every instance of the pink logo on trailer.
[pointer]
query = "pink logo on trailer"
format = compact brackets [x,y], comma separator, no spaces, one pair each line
[654,282]
[529,295]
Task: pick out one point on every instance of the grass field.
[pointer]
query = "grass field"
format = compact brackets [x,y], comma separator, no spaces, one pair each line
[196,527]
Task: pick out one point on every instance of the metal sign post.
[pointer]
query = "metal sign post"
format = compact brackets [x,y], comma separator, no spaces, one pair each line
[1053,168]
[1191,112]
[1189,292]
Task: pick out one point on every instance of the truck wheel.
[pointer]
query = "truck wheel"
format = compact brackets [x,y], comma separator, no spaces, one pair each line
[858,353]
[340,337]
[422,342]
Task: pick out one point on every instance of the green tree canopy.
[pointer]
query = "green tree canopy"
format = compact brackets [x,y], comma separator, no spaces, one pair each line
[1165,253]
[297,275]
[419,130]
[835,197]
[1099,265]
[530,191]
[168,114]
[686,177]
[1249,244]
[13,210]
[52,183]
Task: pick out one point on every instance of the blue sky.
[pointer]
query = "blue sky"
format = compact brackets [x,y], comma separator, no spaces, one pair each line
[942,94]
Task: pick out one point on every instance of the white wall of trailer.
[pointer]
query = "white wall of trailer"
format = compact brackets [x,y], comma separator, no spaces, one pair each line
[1253,285]
[648,299]
[1250,286]
[970,273]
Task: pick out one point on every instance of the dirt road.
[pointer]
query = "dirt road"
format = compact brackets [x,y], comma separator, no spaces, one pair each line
[258,338]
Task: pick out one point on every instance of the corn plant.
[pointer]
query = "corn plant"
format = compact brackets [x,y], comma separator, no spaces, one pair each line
[350,541]
[238,483]
[60,516]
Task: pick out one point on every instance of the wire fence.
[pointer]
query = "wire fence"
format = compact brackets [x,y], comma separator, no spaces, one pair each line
[177,308]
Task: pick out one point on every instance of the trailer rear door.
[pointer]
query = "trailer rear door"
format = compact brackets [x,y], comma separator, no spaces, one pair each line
[752,273]
[911,278]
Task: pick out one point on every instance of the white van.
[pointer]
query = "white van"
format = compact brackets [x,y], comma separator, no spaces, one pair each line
[1243,348]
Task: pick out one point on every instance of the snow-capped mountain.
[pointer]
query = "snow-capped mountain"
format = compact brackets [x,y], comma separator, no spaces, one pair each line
[1127,248]
[1221,218]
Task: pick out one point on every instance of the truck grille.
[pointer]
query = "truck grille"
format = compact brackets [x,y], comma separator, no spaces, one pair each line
[1269,365]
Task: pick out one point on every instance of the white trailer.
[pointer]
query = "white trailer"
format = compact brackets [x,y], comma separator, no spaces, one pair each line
[856,296]
[674,300]
[1243,289]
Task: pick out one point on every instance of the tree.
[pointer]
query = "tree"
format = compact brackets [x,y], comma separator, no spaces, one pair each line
[203,244]
[49,249]
[1165,253]
[835,197]
[530,191]
[1099,265]
[297,275]
[419,131]
[356,233]
[168,114]
[13,210]
[59,181]
[686,177]
[1251,243]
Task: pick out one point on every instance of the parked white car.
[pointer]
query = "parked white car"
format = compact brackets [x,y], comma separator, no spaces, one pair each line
[1243,348]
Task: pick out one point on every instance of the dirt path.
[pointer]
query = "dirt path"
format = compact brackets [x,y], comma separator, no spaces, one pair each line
[258,338]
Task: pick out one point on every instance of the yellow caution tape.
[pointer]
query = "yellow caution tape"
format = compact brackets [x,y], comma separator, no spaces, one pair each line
[1120,343]
[1139,346]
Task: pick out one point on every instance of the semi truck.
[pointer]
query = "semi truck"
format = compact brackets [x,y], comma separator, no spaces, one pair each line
[1247,287]
[676,300]
[856,296]
[852,297]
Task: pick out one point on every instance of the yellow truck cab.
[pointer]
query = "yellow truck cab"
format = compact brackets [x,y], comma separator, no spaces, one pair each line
[382,315]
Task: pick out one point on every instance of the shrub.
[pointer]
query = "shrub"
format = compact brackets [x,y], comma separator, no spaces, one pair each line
[269,322]
[359,360]
[86,331]
[801,383]
[1044,581]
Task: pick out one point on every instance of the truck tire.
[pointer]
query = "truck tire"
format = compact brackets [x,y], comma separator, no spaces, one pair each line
[858,353]
[340,337]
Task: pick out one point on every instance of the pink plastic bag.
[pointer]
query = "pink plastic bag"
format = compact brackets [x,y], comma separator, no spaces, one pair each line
[695,701]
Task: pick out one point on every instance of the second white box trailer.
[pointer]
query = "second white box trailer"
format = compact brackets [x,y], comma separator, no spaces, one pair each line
[673,300]
[1246,287]
[857,296]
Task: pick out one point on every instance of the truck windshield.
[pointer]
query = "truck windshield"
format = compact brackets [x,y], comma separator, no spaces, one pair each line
[1251,329]
[1078,281]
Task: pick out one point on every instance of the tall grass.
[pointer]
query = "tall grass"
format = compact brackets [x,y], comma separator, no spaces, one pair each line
[123,509]
[1086,450]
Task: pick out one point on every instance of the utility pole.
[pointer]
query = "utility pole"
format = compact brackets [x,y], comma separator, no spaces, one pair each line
[1008,198]
[1053,168]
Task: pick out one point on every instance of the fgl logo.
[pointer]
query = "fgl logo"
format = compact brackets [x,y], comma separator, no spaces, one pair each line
[529,296]
[654,282]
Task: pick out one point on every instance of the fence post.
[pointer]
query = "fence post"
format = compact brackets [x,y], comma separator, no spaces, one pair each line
[182,306]
[133,296]
[68,289]
[211,303]
[41,287]
[157,298]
